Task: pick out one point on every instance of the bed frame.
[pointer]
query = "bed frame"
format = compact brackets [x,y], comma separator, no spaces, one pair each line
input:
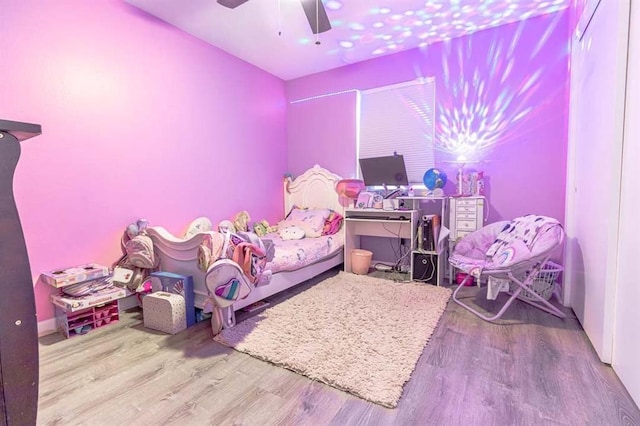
[315,188]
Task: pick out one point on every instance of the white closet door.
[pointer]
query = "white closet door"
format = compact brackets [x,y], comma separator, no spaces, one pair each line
[626,337]
[593,181]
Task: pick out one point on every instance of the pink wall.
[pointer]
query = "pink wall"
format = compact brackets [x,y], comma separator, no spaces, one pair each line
[508,86]
[318,117]
[139,119]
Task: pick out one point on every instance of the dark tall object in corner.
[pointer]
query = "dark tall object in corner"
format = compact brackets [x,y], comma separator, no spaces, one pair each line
[18,324]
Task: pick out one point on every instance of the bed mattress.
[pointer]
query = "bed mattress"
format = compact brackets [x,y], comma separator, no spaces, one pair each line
[295,254]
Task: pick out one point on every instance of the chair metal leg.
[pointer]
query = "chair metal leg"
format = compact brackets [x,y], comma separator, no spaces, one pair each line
[545,306]
[478,313]
[541,302]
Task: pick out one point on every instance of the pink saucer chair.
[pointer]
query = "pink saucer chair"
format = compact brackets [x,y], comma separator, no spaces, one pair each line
[513,250]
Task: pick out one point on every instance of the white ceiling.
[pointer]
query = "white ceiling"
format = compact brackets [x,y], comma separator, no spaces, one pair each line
[360,30]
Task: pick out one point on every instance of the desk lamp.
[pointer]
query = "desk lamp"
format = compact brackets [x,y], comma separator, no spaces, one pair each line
[461,161]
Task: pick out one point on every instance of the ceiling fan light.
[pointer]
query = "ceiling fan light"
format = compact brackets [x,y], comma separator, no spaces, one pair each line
[231,4]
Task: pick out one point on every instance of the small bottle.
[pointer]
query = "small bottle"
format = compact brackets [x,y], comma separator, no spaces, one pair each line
[411,192]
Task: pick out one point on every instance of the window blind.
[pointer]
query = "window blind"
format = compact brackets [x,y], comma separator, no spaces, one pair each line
[399,119]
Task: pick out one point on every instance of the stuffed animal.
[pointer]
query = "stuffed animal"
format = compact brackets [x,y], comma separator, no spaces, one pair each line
[263,228]
[241,221]
[136,228]
[201,224]
[226,227]
[291,233]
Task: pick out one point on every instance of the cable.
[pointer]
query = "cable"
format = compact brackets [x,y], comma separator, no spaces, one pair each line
[399,255]
[424,273]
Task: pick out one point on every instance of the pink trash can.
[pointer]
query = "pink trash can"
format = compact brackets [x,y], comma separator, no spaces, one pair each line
[360,261]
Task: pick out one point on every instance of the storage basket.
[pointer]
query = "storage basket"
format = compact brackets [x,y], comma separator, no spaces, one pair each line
[543,283]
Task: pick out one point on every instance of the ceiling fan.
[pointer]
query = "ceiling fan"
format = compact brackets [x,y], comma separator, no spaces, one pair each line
[314,9]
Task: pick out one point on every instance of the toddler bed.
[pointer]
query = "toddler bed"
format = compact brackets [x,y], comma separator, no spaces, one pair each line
[294,262]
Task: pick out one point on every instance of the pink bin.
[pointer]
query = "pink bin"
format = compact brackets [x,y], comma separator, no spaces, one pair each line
[360,261]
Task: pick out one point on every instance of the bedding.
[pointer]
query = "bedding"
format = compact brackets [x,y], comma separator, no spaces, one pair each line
[294,254]
[294,262]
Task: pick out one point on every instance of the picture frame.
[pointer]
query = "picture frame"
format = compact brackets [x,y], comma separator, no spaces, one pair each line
[365,200]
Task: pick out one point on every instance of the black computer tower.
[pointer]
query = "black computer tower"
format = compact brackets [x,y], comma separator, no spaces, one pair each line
[425,268]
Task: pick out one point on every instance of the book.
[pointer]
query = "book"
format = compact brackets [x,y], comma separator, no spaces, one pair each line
[75,274]
[72,304]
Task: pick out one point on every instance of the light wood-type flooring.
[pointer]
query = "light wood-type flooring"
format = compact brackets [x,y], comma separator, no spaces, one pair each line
[533,369]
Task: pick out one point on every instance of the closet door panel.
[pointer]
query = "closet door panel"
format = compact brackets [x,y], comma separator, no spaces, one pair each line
[626,340]
[598,84]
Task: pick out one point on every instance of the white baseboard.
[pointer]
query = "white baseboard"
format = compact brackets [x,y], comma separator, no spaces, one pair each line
[47,327]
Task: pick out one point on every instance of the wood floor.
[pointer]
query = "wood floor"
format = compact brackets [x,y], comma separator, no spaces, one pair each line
[534,369]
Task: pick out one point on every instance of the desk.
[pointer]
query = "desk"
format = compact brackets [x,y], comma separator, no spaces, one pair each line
[376,223]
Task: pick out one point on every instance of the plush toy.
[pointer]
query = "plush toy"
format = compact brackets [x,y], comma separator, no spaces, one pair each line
[241,221]
[263,228]
[291,233]
[306,227]
[137,228]
[226,227]
[201,224]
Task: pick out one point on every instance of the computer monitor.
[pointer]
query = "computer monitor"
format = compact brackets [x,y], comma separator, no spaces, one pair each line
[384,171]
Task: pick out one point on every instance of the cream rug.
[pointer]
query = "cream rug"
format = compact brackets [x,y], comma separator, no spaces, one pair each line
[360,334]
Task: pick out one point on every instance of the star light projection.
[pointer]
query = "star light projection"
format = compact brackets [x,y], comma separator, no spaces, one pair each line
[487,102]
[395,25]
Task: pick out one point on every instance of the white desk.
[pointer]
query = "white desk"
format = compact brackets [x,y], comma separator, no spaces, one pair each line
[376,223]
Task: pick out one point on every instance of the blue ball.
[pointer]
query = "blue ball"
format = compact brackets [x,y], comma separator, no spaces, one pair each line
[434,178]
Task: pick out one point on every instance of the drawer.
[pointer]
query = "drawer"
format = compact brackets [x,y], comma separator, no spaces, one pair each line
[466,225]
[468,216]
[466,209]
[470,202]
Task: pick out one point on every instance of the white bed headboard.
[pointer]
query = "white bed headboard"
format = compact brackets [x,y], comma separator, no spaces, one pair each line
[315,188]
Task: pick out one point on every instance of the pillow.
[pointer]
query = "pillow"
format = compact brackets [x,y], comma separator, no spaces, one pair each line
[311,220]
[291,233]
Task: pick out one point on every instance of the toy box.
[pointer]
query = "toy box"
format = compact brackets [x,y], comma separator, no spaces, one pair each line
[176,284]
[164,312]
[75,274]
[72,304]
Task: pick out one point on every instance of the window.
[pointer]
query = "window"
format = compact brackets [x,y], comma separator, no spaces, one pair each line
[399,119]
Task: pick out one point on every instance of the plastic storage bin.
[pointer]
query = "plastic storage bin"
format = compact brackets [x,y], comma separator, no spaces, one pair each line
[360,261]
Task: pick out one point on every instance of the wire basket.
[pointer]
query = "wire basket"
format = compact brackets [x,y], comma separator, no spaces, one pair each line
[543,283]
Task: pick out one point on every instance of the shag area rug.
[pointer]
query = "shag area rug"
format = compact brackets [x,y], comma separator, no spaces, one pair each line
[360,334]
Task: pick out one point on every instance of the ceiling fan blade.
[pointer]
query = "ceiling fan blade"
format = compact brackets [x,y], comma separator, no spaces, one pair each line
[231,4]
[318,19]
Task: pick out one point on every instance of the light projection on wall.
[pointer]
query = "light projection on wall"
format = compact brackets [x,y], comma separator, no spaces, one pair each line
[392,26]
[491,85]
